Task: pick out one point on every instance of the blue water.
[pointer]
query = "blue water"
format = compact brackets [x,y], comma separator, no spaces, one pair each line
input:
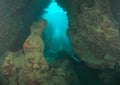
[55,34]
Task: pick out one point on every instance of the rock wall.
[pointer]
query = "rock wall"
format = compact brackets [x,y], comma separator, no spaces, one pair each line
[93,32]
[15,18]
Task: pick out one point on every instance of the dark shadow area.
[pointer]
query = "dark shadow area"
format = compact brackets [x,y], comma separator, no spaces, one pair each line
[115,7]
[86,75]
[82,74]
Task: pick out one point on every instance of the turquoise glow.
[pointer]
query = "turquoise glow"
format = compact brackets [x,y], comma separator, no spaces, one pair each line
[55,34]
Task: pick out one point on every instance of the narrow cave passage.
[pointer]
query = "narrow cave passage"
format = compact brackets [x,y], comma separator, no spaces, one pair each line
[57,45]
[55,34]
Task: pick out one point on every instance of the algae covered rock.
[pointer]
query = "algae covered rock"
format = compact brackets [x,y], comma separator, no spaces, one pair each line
[28,66]
[24,64]
[12,66]
[94,35]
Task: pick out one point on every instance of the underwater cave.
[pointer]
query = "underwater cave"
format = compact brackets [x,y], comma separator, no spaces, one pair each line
[59,42]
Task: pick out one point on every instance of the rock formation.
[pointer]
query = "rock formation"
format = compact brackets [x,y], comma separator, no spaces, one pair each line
[94,33]
[29,67]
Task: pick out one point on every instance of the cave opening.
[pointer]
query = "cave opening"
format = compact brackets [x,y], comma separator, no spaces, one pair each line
[58,45]
[55,34]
